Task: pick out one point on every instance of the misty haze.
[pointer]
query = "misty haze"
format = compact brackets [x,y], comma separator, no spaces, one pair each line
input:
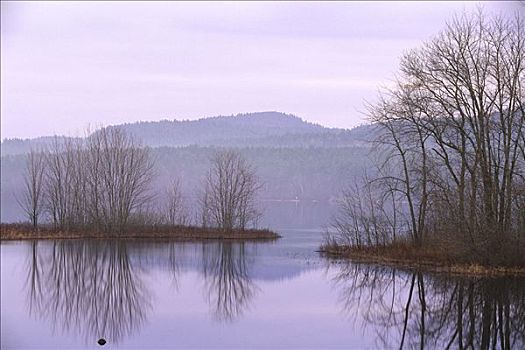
[262,175]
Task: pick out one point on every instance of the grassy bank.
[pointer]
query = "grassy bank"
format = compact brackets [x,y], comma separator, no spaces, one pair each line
[178,233]
[433,258]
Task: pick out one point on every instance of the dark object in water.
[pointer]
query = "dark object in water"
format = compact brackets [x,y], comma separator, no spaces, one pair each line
[101,341]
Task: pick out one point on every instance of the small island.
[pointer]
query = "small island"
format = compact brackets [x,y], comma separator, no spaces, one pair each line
[179,233]
[425,258]
[447,191]
[100,187]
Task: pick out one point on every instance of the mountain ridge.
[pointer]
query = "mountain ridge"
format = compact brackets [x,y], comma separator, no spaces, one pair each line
[257,129]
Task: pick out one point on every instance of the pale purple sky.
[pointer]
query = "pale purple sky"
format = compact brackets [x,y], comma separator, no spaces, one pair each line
[65,66]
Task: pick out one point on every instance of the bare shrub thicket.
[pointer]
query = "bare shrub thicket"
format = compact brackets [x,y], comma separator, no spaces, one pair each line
[230,190]
[99,182]
[453,138]
[367,216]
[122,172]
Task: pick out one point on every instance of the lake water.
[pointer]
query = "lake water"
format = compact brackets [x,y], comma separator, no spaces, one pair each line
[68,294]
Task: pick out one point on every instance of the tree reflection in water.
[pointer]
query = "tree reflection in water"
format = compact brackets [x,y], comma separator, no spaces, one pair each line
[96,290]
[89,287]
[227,283]
[421,310]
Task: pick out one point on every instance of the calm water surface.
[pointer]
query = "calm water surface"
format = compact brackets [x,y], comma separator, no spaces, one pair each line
[232,295]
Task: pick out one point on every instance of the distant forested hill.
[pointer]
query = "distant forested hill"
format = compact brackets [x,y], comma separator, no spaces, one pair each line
[262,129]
[21,146]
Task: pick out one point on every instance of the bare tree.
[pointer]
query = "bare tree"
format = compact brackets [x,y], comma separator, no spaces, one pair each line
[230,190]
[119,179]
[98,182]
[453,130]
[175,208]
[469,82]
[31,200]
[65,184]
[57,182]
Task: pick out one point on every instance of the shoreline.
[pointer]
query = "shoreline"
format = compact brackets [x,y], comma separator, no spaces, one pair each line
[17,232]
[386,256]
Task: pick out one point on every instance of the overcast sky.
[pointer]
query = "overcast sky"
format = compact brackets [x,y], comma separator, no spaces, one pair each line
[65,66]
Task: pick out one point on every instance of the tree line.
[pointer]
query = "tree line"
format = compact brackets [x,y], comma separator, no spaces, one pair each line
[103,183]
[452,140]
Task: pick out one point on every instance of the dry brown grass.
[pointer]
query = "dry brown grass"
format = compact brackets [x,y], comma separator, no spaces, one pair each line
[178,233]
[436,257]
